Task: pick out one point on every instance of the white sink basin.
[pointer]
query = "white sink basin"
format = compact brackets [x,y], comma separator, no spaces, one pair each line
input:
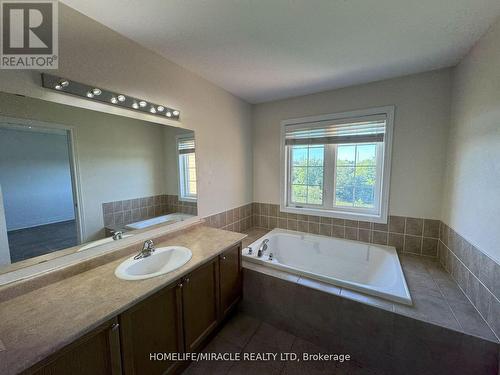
[162,261]
[101,242]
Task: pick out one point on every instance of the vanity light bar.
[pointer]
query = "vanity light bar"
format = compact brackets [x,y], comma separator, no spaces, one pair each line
[109,97]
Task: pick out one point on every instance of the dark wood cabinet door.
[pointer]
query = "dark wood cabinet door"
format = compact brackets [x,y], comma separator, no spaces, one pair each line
[230,278]
[97,353]
[200,297]
[152,326]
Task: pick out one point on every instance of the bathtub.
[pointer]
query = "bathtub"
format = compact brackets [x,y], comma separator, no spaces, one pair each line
[367,268]
[167,219]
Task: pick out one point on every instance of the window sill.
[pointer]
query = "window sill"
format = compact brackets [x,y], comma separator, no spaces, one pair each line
[382,219]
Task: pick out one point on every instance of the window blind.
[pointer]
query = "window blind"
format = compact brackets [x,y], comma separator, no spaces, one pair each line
[357,130]
[186,145]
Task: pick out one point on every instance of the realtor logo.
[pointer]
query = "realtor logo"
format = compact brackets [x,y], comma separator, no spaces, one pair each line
[29,34]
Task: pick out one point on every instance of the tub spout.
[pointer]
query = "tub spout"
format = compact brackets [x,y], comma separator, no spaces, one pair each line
[262,248]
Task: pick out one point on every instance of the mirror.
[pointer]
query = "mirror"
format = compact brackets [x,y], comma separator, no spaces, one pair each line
[72,179]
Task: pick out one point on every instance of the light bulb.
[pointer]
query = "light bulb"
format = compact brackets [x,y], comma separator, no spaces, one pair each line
[160,108]
[114,100]
[135,105]
[169,114]
[176,113]
[90,94]
[152,110]
[121,98]
[64,83]
[96,91]
[142,103]
[58,87]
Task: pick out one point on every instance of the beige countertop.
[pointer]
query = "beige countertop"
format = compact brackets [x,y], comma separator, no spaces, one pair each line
[37,324]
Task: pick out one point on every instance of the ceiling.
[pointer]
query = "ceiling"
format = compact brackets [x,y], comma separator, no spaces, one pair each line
[265,50]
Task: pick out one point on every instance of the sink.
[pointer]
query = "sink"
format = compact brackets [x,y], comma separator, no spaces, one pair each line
[162,261]
[101,242]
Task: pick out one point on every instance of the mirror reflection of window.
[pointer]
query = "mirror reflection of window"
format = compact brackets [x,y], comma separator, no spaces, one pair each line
[187,168]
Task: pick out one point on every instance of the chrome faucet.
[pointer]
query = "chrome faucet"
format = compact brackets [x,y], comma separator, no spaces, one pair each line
[147,249]
[262,248]
[118,235]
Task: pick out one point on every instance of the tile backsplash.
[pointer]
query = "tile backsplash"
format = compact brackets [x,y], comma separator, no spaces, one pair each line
[407,234]
[128,211]
[477,274]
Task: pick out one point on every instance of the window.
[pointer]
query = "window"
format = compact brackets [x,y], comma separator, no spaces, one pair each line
[187,168]
[338,165]
[356,180]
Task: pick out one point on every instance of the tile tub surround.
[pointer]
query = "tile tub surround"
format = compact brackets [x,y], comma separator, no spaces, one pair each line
[238,219]
[119,213]
[40,322]
[437,299]
[477,274]
[392,342]
[174,204]
[408,235]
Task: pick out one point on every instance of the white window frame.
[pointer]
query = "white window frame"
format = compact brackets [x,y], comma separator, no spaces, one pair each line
[181,169]
[384,153]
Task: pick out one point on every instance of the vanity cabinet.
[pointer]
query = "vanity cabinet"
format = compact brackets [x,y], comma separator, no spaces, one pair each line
[200,304]
[179,318]
[97,353]
[152,326]
[209,293]
[230,279]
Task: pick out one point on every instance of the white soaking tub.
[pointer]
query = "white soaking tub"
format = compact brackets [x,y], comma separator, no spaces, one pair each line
[367,268]
[166,219]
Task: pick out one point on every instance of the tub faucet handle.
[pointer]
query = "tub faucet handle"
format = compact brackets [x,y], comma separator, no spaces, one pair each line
[250,250]
[271,256]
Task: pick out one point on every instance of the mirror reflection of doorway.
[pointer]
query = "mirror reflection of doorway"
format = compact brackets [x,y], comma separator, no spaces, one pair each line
[37,189]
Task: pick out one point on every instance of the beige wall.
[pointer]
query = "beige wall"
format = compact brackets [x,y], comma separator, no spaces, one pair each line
[92,53]
[420,129]
[471,199]
[118,158]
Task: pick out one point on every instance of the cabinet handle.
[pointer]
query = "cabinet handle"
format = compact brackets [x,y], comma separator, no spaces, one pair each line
[114,326]
[180,285]
[223,257]
[186,280]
